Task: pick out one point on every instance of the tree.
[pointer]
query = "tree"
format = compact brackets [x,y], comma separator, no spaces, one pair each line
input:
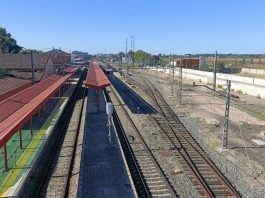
[7,43]
[141,56]
[27,51]
[121,55]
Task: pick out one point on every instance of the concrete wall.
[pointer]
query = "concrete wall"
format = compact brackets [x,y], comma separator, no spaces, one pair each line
[253,71]
[246,85]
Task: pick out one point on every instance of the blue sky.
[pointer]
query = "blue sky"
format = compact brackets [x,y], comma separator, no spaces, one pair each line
[159,26]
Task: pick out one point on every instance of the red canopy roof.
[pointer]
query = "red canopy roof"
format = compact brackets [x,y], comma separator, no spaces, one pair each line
[12,104]
[18,109]
[71,69]
[96,77]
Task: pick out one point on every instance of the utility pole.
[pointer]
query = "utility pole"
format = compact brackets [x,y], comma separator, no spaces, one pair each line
[126,48]
[172,74]
[169,60]
[226,121]
[132,49]
[32,67]
[133,43]
[126,54]
[173,67]
[144,60]
[130,58]
[214,71]
[180,80]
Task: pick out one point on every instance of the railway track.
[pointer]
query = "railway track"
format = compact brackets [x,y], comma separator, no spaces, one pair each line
[51,175]
[205,176]
[209,181]
[149,178]
[56,178]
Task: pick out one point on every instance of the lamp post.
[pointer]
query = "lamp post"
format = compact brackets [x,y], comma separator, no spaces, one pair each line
[32,67]
[132,49]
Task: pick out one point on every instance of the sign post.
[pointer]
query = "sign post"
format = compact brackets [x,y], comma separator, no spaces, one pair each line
[109,111]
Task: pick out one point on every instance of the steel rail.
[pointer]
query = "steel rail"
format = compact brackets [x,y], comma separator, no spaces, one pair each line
[215,170]
[164,177]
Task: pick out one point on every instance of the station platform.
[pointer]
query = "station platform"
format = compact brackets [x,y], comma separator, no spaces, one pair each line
[21,160]
[103,171]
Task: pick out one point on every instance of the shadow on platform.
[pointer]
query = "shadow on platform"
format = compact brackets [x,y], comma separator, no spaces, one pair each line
[135,103]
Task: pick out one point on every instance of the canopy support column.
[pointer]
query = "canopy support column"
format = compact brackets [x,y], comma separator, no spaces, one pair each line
[5,156]
[20,138]
[44,107]
[39,117]
[31,130]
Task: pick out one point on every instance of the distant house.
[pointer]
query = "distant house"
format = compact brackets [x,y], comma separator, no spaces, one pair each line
[192,63]
[60,57]
[59,60]
[18,67]
[47,63]
[78,54]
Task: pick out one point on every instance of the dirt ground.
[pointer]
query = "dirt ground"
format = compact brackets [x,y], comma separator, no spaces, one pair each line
[246,122]
[251,75]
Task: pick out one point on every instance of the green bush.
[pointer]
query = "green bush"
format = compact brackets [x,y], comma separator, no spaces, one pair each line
[3,72]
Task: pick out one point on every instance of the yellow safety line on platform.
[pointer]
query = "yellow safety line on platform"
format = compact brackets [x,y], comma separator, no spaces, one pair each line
[13,175]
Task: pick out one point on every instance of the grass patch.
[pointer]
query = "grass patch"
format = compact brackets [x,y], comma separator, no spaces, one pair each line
[209,128]
[239,91]
[245,126]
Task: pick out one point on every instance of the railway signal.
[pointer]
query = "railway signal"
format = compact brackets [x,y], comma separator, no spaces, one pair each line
[214,71]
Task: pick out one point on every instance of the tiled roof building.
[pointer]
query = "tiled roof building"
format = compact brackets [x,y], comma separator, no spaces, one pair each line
[10,86]
[22,62]
[19,65]
[59,57]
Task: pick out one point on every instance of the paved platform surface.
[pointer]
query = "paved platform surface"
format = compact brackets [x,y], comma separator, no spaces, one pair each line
[103,172]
